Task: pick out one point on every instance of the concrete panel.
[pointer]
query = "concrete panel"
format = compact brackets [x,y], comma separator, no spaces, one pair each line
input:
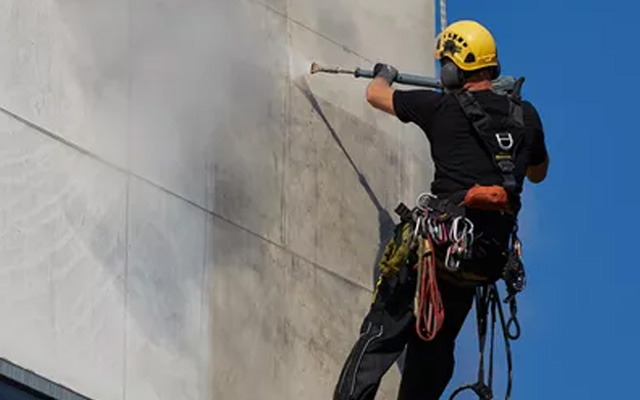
[323,317]
[164,297]
[280,6]
[342,91]
[343,167]
[378,30]
[340,188]
[179,66]
[281,327]
[144,295]
[213,129]
[248,302]
[62,257]
[245,175]
[64,64]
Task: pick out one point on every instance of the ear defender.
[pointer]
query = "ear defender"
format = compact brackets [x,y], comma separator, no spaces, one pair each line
[496,71]
[451,76]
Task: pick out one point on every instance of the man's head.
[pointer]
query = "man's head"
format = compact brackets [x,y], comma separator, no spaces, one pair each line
[467,52]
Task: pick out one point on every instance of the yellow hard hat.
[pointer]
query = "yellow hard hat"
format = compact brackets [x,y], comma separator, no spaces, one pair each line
[469,45]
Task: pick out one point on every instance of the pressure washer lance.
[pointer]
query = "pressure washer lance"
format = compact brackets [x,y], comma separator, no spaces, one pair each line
[406,79]
[501,85]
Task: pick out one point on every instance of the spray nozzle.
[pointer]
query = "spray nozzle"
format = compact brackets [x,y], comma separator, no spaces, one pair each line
[315,68]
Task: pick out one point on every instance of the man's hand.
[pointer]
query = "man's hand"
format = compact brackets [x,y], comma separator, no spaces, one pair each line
[538,173]
[386,72]
[379,91]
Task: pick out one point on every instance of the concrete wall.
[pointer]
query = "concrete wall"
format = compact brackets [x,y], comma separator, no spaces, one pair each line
[184,212]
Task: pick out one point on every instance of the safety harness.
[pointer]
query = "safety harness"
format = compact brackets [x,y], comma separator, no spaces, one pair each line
[502,146]
[438,229]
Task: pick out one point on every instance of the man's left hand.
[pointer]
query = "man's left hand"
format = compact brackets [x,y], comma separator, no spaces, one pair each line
[386,72]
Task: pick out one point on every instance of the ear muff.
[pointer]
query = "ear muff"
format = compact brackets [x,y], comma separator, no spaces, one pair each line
[451,76]
[496,72]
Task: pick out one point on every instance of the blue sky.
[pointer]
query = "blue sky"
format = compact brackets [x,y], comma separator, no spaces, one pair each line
[580,311]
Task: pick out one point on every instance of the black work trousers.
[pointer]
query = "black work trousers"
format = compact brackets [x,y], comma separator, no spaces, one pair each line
[388,327]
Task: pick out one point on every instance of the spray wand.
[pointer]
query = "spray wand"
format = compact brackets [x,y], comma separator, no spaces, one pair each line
[503,84]
[406,79]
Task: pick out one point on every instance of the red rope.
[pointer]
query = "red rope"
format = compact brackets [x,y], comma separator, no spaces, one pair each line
[430,309]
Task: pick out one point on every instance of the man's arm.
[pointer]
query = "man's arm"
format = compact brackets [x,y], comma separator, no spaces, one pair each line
[538,164]
[537,173]
[380,95]
[379,91]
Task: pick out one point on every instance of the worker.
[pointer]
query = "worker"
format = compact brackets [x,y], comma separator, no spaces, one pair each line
[468,171]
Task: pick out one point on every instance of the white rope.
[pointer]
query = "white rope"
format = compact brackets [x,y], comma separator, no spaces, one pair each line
[443,14]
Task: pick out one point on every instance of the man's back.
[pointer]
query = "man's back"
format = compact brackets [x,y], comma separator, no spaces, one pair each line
[459,155]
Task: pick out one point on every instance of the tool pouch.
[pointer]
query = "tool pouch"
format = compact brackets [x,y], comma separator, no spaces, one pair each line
[397,250]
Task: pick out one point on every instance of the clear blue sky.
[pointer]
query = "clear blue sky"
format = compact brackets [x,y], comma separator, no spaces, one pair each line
[580,312]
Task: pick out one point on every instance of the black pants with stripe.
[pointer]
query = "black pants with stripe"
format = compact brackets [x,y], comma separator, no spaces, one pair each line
[388,328]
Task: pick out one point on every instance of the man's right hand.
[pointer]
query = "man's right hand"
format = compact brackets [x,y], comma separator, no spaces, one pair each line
[538,173]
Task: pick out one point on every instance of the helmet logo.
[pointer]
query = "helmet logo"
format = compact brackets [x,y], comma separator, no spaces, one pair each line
[450,46]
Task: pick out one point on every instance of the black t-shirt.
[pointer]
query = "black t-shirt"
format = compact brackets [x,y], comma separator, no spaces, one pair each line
[458,153]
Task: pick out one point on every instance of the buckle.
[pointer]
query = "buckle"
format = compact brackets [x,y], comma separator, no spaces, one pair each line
[403,212]
[505,141]
[506,166]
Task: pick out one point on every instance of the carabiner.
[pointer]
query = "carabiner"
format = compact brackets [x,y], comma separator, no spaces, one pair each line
[450,261]
[415,231]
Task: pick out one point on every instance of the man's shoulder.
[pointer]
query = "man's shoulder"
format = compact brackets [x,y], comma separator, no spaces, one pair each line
[530,111]
[529,106]
[423,94]
[417,105]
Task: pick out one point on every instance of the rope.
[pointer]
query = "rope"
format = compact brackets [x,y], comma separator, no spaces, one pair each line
[430,310]
[488,300]
[443,14]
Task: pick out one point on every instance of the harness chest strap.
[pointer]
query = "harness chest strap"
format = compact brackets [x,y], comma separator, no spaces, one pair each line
[502,145]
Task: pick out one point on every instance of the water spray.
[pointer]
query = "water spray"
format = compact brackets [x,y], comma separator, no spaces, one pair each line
[501,85]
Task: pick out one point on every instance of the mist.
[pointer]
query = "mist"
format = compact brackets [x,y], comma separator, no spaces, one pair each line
[212,211]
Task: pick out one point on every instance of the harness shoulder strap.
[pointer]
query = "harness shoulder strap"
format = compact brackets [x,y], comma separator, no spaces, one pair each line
[515,103]
[501,145]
